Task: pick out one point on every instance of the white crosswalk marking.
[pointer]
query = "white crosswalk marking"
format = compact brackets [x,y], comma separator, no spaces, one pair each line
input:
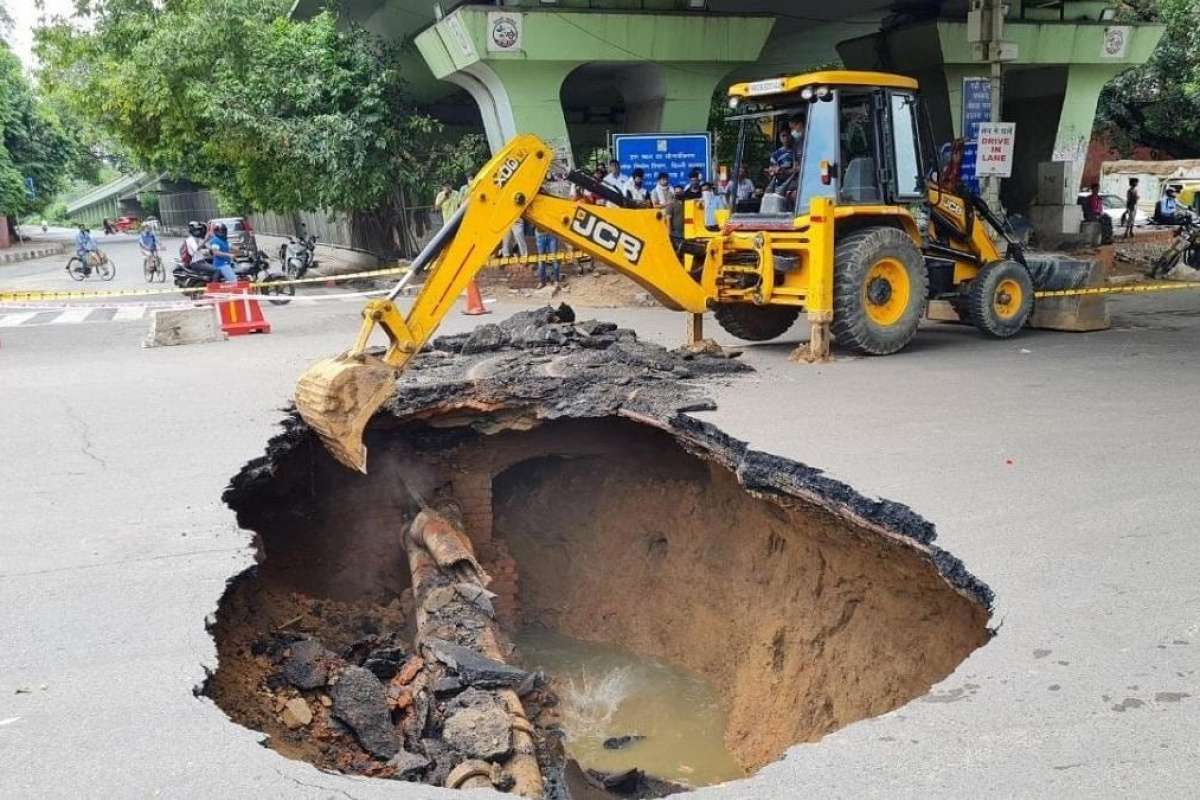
[12,320]
[72,316]
[125,313]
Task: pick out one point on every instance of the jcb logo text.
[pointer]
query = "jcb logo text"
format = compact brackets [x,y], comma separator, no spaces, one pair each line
[607,235]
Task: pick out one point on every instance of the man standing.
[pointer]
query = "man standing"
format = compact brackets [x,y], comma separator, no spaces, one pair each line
[635,190]
[613,179]
[446,202]
[547,249]
[1131,202]
[692,191]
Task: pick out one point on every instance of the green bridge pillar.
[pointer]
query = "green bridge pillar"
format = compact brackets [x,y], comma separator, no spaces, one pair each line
[1050,91]
[572,77]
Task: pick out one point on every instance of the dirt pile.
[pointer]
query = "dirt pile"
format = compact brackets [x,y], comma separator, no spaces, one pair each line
[600,509]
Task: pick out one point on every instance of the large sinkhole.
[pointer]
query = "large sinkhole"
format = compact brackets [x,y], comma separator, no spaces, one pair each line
[752,602]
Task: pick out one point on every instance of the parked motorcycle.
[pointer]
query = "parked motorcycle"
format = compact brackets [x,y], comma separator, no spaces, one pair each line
[1185,245]
[255,268]
[298,255]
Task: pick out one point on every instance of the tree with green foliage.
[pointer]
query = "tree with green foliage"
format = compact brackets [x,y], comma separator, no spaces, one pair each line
[271,112]
[36,154]
[1158,103]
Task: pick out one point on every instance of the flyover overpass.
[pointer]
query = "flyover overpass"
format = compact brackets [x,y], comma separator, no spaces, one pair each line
[573,71]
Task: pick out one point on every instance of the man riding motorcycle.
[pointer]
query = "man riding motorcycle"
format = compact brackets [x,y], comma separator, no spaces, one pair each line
[222,253]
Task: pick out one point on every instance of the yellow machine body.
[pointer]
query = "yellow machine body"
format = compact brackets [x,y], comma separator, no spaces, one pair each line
[744,271]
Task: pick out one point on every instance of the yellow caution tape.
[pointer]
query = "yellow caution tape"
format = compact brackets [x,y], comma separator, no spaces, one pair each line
[1129,288]
[26,295]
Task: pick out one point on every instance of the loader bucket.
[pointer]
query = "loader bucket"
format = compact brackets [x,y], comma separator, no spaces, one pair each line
[337,398]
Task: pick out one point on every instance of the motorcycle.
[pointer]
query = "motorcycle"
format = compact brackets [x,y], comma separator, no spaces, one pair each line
[1185,245]
[254,268]
[298,255]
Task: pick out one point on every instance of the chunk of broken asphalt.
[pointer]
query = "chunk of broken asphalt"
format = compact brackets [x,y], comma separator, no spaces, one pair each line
[621,742]
[307,664]
[408,766]
[474,669]
[385,662]
[359,700]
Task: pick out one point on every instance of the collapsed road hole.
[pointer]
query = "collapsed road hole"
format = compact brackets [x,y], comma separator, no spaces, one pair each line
[629,550]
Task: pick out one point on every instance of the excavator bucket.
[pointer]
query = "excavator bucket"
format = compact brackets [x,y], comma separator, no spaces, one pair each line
[337,398]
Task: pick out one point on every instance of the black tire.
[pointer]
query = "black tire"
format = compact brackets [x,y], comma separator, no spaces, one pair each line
[755,323]
[880,290]
[106,270]
[75,268]
[148,270]
[277,295]
[1000,299]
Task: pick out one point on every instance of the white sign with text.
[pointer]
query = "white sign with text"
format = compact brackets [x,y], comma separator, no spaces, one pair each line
[994,153]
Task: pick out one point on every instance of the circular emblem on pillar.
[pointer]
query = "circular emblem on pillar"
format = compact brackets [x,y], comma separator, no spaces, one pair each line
[504,33]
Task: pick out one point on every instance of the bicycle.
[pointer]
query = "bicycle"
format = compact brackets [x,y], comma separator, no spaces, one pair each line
[97,261]
[152,267]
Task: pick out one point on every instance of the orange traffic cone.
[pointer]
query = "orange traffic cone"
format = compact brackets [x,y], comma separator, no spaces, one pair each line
[474,306]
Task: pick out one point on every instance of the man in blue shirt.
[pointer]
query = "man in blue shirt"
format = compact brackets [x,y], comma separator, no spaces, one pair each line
[222,254]
[148,239]
[1167,211]
[84,246]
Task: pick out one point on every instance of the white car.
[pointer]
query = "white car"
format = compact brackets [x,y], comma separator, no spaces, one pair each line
[1114,209]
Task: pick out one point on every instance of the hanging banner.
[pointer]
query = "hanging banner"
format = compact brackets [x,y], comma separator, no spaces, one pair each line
[976,110]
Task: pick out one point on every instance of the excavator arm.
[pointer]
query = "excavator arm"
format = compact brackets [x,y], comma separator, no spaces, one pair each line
[338,396]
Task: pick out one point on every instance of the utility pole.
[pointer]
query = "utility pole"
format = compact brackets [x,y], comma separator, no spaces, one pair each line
[985,32]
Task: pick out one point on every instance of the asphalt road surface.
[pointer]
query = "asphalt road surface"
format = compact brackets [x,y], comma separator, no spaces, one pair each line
[1062,469]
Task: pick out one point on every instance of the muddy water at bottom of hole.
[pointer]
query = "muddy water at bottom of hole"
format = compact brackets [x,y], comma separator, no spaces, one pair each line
[605,691]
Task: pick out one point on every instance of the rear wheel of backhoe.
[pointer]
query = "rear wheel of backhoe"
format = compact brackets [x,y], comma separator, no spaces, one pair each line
[880,288]
[1000,299]
[755,323]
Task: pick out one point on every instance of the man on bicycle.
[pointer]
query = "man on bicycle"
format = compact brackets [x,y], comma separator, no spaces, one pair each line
[148,240]
[84,247]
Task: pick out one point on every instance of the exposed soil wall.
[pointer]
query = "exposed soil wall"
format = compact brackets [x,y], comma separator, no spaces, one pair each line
[804,623]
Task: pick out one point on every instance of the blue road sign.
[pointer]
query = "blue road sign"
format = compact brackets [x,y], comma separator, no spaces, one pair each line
[676,154]
[976,109]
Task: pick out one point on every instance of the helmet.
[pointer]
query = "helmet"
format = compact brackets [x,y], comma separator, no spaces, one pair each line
[220,230]
[197,229]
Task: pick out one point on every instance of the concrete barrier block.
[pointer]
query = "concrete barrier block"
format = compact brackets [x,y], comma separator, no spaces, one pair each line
[172,326]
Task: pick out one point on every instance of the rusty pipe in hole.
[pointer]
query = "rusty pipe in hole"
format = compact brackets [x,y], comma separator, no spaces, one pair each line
[439,556]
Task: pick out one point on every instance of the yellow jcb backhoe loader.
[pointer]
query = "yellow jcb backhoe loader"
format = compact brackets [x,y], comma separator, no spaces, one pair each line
[836,209]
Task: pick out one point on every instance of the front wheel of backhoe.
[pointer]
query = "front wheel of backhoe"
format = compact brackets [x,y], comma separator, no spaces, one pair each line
[755,323]
[880,288]
[1000,299]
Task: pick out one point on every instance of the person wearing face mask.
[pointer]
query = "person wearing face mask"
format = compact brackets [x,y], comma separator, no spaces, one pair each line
[692,190]
[635,190]
[661,195]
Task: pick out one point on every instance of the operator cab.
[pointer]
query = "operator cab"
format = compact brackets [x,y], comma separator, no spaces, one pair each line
[858,138]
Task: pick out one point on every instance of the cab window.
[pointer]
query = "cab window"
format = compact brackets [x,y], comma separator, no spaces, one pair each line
[820,144]
[904,142]
[858,142]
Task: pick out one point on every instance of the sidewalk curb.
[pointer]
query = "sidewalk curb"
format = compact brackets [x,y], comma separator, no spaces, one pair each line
[9,257]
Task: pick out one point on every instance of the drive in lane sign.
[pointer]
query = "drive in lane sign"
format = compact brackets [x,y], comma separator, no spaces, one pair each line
[994,152]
